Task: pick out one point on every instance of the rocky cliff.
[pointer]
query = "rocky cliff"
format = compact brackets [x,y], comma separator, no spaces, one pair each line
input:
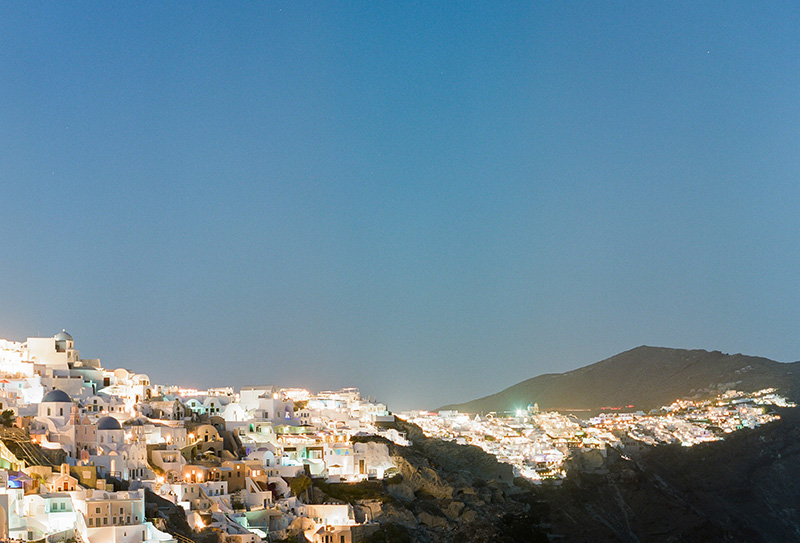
[442,492]
[738,490]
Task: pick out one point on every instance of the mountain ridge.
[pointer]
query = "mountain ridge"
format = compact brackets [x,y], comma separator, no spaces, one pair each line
[644,377]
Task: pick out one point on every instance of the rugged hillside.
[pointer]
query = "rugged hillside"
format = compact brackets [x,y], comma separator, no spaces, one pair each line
[738,490]
[443,493]
[645,377]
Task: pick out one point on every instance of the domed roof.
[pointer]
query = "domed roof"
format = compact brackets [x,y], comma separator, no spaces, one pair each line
[56,395]
[63,336]
[108,423]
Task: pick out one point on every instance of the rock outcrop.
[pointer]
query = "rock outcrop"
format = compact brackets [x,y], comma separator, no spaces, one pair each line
[443,492]
[740,489]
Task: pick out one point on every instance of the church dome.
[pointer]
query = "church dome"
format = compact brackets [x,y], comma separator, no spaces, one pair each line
[63,336]
[108,423]
[56,396]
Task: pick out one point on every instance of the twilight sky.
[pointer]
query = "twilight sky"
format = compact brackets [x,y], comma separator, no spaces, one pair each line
[429,202]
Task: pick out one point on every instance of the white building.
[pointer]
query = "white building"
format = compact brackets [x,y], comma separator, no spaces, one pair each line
[55,353]
[117,517]
[118,455]
[54,426]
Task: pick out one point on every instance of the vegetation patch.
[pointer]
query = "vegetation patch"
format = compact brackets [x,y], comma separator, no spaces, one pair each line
[299,485]
[395,479]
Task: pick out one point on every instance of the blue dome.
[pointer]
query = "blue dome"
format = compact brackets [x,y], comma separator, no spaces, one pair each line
[108,423]
[57,395]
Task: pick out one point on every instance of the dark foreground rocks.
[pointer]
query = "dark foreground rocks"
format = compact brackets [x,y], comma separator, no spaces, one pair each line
[742,489]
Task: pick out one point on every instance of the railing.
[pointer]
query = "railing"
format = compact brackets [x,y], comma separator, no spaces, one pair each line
[26,451]
[182,538]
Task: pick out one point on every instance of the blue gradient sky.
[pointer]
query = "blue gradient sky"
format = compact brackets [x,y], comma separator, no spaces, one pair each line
[429,202]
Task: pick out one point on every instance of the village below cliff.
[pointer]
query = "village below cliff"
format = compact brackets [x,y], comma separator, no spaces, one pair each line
[90,454]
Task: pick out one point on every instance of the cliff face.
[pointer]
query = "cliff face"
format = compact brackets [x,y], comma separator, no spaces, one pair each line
[622,502]
[443,492]
[746,484]
[740,489]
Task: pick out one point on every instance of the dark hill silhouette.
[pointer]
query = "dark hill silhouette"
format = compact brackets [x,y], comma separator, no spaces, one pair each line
[645,377]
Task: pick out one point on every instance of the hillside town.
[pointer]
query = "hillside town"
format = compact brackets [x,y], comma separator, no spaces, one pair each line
[82,445]
[92,455]
[539,444]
